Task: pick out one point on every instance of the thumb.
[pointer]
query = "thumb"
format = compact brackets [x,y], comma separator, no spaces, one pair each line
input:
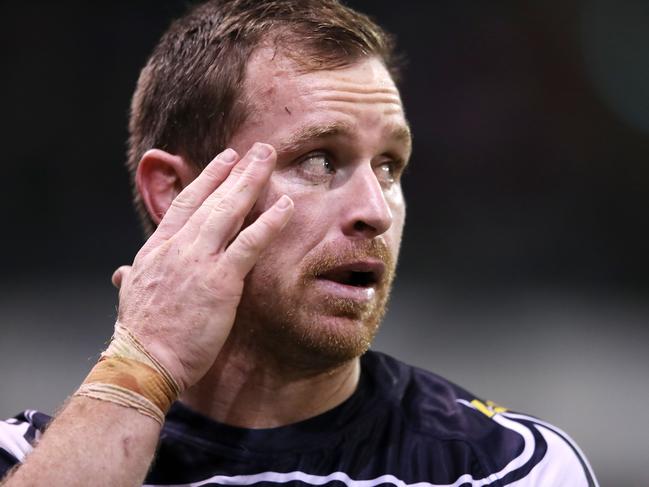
[119,275]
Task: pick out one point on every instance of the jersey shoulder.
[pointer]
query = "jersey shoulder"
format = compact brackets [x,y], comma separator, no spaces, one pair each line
[513,448]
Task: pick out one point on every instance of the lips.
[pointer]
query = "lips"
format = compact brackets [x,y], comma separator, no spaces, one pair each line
[359,274]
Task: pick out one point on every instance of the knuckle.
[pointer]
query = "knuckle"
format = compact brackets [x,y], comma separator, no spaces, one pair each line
[164,250]
[255,175]
[265,225]
[212,171]
[219,286]
[182,202]
[245,181]
[225,206]
[238,170]
[248,240]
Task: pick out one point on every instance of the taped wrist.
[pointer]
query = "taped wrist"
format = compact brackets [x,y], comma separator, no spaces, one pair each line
[128,375]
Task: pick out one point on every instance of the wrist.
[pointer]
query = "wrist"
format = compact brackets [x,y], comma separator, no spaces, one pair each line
[128,375]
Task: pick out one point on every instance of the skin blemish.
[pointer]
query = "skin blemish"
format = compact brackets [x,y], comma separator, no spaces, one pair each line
[287,110]
[126,444]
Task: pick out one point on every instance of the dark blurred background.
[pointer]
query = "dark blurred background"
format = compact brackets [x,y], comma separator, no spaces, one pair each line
[524,274]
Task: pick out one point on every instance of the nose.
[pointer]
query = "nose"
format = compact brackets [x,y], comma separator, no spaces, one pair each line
[367,213]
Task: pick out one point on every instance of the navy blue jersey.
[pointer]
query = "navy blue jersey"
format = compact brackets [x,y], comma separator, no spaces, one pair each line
[402,427]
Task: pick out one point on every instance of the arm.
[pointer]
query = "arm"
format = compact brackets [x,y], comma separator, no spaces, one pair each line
[179,299]
[91,443]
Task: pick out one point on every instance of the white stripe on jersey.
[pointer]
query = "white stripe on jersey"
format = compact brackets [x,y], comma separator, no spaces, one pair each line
[562,443]
[284,477]
[281,478]
[559,466]
[12,438]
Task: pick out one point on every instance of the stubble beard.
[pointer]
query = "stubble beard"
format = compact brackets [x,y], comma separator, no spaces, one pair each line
[289,328]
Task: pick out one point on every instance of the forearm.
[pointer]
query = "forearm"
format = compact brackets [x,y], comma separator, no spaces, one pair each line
[91,443]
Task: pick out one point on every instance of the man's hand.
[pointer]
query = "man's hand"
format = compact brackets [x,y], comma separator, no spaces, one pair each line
[181,295]
[179,298]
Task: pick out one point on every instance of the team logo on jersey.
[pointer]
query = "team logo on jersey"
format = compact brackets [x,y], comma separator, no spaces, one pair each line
[488,408]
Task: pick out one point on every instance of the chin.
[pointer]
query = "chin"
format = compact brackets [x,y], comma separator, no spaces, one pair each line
[323,342]
[343,334]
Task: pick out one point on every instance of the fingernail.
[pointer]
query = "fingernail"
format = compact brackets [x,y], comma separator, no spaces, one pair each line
[260,151]
[228,156]
[284,202]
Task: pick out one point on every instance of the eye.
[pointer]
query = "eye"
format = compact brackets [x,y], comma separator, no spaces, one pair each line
[316,166]
[387,173]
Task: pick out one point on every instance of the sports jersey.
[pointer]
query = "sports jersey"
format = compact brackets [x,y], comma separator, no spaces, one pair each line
[402,427]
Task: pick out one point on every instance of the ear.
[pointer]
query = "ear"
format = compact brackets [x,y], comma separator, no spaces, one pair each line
[159,178]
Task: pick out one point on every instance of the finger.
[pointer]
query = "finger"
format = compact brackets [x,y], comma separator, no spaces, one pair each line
[238,171]
[119,275]
[222,215]
[244,251]
[192,197]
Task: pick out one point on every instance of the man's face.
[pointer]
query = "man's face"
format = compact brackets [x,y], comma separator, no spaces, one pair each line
[318,293]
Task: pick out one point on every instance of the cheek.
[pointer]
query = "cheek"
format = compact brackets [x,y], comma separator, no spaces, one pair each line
[310,202]
[306,228]
[309,224]
[398,207]
[399,215]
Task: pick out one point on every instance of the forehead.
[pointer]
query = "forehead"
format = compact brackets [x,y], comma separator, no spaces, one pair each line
[268,65]
[361,95]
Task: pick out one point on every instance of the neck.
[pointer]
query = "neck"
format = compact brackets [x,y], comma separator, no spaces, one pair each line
[251,389]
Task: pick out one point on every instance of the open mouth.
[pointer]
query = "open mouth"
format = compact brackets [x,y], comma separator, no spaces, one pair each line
[358,274]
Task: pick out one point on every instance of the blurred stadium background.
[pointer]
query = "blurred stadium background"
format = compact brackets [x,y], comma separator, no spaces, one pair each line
[524,273]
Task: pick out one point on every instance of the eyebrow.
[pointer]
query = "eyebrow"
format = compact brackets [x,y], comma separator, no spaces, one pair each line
[402,134]
[314,132]
[398,132]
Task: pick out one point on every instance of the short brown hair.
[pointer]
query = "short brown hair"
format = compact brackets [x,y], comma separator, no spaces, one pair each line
[188,99]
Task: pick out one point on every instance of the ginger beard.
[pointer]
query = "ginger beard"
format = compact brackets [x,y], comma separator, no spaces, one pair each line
[295,322]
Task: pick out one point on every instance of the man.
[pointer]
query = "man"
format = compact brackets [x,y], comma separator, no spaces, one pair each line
[254,300]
